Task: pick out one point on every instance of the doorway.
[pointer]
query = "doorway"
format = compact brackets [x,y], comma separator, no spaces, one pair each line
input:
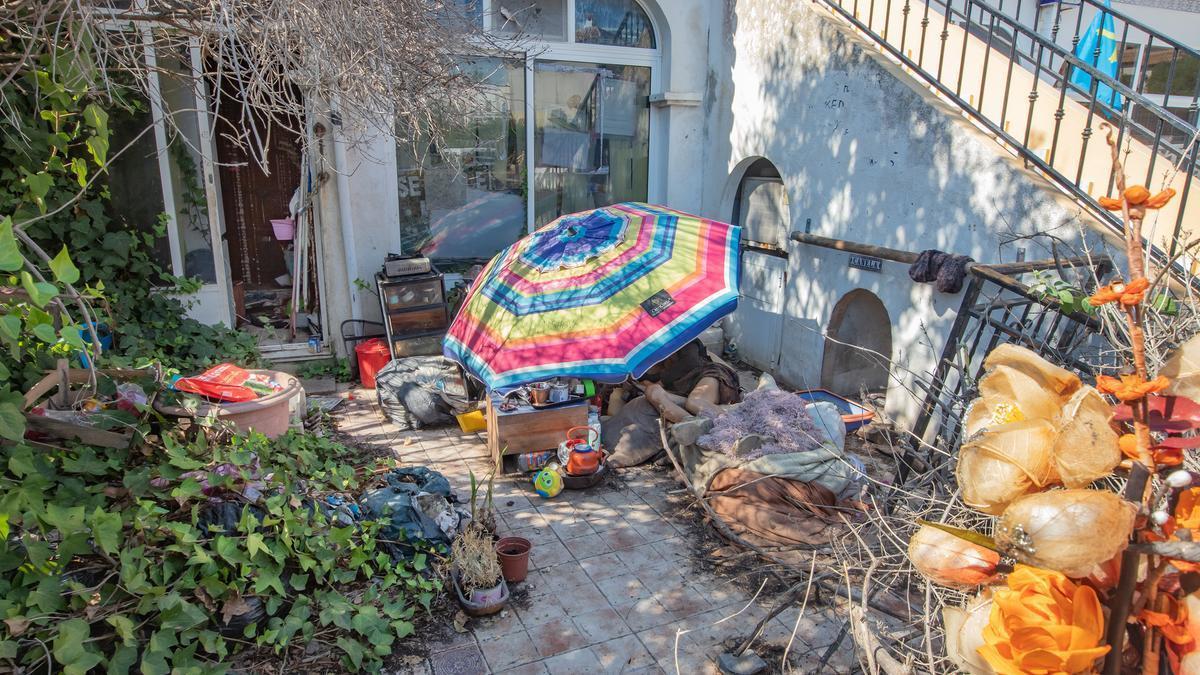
[858,346]
[270,240]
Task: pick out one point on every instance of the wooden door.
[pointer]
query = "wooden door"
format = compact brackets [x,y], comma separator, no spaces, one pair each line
[251,197]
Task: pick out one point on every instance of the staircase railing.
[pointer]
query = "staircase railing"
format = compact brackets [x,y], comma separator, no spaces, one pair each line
[999,67]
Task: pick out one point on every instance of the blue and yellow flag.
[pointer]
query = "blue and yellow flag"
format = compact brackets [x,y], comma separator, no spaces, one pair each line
[1102,33]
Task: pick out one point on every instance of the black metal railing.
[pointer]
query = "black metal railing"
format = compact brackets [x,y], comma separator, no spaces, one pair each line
[1157,87]
[997,308]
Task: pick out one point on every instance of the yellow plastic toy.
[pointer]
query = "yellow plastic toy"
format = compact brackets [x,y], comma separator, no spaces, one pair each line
[548,483]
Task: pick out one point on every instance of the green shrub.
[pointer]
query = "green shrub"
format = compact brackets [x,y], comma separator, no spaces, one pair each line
[106,562]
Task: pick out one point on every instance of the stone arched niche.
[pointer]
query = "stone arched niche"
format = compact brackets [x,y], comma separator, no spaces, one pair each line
[858,346]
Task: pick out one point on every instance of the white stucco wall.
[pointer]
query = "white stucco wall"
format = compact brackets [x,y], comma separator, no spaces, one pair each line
[865,157]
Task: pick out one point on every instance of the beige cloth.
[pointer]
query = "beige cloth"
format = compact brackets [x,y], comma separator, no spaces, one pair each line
[772,511]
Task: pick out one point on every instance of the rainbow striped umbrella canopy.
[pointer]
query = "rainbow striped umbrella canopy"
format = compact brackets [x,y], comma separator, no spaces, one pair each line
[601,294]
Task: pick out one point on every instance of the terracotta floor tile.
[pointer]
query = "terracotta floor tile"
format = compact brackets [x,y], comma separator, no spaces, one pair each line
[604,566]
[533,668]
[510,650]
[496,625]
[623,591]
[548,554]
[556,637]
[645,614]
[622,537]
[622,655]
[587,546]
[601,626]
[578,662]
[640,557]
[541,610]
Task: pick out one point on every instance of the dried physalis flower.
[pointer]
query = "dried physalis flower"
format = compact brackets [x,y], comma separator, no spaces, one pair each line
[1130,387]
[1128,294]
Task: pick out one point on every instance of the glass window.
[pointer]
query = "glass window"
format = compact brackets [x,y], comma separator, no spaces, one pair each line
[187,184]
[591,136]
[545,19]
[620,23]
[134,183]
[465,199]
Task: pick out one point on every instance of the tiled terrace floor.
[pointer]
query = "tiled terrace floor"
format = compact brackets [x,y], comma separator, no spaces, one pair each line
[613,586]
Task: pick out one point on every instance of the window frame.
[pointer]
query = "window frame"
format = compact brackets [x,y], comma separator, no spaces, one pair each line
[569,11]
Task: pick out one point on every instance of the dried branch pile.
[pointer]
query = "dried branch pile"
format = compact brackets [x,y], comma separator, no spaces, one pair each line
[391,64]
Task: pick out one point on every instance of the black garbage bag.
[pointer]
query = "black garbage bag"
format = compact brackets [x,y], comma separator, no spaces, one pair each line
[404,506]
[222,517]
[421,391]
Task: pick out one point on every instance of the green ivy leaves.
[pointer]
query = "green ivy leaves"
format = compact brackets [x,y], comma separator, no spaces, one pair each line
[11,259]
[64,270]
[166,583]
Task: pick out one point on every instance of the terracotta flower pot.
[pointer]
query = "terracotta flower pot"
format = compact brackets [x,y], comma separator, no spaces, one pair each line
[514,557]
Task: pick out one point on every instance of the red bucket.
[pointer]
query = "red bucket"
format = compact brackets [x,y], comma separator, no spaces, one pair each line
[372,356]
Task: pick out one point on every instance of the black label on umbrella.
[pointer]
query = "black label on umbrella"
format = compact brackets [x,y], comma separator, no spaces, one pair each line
[658,303]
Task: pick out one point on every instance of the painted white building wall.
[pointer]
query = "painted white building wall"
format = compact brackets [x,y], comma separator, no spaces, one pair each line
[866,157]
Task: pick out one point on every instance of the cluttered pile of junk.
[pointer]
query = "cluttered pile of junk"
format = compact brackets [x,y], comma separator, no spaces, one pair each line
[103,406]
[592,345]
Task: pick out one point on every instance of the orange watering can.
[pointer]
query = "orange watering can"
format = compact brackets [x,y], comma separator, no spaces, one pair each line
[584,455]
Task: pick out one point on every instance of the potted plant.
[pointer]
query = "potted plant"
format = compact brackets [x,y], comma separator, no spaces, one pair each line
[476,573]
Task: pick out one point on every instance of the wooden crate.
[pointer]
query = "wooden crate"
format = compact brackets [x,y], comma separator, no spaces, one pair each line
[529,429]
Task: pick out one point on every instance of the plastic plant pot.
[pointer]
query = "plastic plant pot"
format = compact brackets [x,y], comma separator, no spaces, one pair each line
[514,558]
[482,602]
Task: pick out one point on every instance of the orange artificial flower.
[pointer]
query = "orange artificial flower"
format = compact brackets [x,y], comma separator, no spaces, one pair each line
[1186,513]
[1138,195]
[1043,623]
[1162,456]
[1118,291]
[1186,517]
[1130,387]
[1171,620]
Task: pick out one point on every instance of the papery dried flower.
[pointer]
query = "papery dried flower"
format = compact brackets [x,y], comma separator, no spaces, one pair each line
[1130,387]
[778,416]
[1162,456]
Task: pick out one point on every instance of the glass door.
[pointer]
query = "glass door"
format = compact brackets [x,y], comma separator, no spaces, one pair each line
[591,136]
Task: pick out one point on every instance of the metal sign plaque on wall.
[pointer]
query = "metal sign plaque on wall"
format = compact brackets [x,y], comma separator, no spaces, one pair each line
[866,262]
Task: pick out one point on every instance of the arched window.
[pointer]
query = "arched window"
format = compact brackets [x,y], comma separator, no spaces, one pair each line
[619,23]
[761,206]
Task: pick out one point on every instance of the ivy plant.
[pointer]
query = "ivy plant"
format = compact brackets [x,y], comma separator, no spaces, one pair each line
[176,554]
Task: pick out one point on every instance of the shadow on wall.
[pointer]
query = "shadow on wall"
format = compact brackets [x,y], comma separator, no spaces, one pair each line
[858,346]
[865,157]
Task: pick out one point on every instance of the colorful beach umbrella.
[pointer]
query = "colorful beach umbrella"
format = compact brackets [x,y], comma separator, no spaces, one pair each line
[601,294]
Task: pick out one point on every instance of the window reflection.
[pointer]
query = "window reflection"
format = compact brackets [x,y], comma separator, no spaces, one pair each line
[187,184]
[591,137]
[466,198]
[544,19]
[134,182]
[620,23]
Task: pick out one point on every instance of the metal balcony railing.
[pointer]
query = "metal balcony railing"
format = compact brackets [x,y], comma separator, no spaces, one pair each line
[1002,69]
